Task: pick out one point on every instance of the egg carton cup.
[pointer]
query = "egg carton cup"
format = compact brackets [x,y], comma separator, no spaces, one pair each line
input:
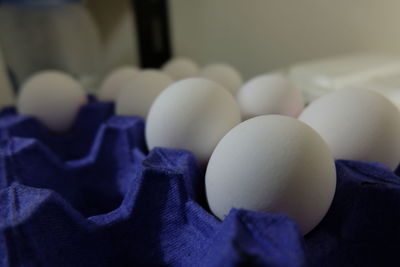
[96,197]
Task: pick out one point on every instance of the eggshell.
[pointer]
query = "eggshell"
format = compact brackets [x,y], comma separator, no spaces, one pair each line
[181,68]
[223,74]
[357,124]
[137,95]
[53,97]
[192,114]
[114,81]
[270,94]
[272,164]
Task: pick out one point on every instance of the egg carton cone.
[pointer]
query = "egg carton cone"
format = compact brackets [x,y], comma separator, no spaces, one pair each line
[96,197]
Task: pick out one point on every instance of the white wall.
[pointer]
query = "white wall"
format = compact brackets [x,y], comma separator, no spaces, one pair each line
[262,35]
[257,35]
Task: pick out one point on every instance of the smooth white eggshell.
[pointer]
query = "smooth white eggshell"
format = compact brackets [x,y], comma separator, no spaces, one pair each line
[270,94]
[223,74]
[192,114]
[114,81]
[181,68]
[272,164]
[53,97]
[137,95]
[358,125]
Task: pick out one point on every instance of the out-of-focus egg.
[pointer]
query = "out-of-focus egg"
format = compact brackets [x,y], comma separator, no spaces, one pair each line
[223,74]
[53,97]
[114,81]
[272,164]
[181,68]
[358,125]
[192,114]
[137,95]
[270,94]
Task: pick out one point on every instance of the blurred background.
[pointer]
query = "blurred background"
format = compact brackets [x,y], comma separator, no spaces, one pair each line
[91,38]
[256,36]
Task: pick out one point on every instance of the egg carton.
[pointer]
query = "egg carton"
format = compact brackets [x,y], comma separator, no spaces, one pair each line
[96,197]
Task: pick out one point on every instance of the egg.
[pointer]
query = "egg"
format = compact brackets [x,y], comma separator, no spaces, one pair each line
[270,94]
[180,68]
[192,114]
[114,81]
[137,95]
[358,125]
[275,164]
[223,74]
[52,97]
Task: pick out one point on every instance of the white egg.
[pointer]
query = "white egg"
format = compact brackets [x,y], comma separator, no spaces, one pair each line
[192,114]
[53,97]
[270,94]
[223,74]
[181,68]
[137,95]
[272,164]
[114,81]
[358,125]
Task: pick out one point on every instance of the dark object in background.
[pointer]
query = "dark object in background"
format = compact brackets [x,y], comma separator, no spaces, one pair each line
[153,32]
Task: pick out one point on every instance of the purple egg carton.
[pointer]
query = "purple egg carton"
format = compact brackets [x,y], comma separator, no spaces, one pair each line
[96,197]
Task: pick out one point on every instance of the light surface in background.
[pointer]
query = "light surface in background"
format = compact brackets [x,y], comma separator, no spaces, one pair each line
[117,32]
[6,94]
[262,35]
[377,72]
